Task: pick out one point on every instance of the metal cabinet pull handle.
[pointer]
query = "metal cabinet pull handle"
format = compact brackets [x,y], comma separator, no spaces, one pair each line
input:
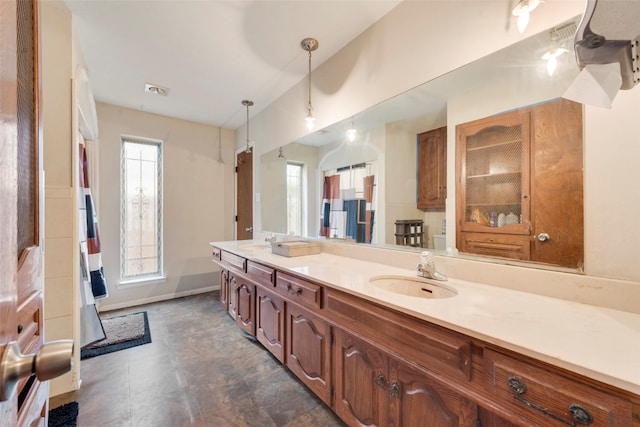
[381,381]
[292,292]
[578,413]
[393,389]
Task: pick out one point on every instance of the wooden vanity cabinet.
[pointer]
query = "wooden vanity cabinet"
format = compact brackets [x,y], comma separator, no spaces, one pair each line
[377,366]
[373,388]
[432,169]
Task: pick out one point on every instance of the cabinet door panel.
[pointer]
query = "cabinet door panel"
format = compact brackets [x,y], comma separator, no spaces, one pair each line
[224,288]
[309,350]
[232,308]
[270,320]
[360,374]
[246,306]
[557,180]
[417,400]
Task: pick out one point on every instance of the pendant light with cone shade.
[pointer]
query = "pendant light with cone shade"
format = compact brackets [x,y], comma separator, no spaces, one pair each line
[309,45]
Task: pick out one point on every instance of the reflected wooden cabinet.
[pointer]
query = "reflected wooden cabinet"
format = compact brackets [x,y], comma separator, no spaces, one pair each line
[432,169]
[308,345]
[519,185]
[372,388]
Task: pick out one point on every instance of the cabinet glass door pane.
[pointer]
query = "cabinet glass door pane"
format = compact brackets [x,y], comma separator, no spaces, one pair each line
[494,176]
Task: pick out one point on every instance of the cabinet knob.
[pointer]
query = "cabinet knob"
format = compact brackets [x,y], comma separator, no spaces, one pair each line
[543,237]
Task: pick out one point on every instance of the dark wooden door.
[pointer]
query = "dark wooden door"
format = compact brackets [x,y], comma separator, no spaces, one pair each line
[21,255]
[557,184]
[244,196]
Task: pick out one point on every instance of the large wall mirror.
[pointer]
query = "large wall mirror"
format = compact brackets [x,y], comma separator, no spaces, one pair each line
[509,79]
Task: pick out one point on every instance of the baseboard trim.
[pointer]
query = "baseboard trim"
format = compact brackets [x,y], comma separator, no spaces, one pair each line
[117,306]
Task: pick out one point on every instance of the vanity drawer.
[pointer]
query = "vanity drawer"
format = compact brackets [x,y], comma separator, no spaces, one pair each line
[215,254]
[439,350]
[233,261]
[299,290]
[546,398]
[261,273]
[514,247]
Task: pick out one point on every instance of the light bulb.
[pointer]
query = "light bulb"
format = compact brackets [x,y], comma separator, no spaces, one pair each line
[551,57]
[523,19]
[552,63]
[310,121]
[522,11]
[351,134]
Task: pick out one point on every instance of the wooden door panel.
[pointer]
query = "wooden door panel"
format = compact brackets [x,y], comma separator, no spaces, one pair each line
[246,306]
[422,401]
[360,374]
[309,350]
[233,296]
[224,288]
[270,322]
[557,184]
[21,279]
[8,173]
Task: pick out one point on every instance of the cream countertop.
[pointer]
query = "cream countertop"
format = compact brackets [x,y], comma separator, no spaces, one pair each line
[601,343]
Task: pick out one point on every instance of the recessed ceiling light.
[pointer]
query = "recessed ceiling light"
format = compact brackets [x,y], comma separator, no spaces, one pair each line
[155,89]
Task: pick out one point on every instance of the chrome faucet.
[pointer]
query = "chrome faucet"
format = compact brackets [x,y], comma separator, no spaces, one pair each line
[427,267]
[271,238]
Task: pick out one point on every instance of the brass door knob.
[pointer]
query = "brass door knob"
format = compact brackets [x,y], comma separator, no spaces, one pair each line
[52,360]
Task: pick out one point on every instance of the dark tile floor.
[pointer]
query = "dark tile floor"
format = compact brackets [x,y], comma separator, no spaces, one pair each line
[200,370]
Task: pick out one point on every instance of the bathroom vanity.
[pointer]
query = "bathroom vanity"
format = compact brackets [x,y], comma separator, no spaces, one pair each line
[477,355]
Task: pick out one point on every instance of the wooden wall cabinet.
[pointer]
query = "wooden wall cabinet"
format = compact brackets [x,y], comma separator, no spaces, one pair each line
[432,169]
[520,185]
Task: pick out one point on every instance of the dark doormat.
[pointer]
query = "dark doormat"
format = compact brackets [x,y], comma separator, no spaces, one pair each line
[64,416]
[122,332]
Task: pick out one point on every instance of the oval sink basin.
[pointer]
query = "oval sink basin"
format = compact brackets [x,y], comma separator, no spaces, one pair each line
[416,287]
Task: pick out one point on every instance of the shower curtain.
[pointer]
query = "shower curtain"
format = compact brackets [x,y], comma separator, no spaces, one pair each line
[93,286]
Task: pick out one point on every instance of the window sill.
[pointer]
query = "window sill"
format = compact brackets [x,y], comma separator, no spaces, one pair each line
[146,281]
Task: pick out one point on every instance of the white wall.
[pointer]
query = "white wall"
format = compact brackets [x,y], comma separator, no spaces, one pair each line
[198,201]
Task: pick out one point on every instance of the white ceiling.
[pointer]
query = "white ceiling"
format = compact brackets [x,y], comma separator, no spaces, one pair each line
[211,54]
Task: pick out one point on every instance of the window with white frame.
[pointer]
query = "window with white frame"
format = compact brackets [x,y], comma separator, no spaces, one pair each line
[295,203]
[141,209]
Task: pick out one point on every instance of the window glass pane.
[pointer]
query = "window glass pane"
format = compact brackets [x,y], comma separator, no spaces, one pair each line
[141,201]
[294,199]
